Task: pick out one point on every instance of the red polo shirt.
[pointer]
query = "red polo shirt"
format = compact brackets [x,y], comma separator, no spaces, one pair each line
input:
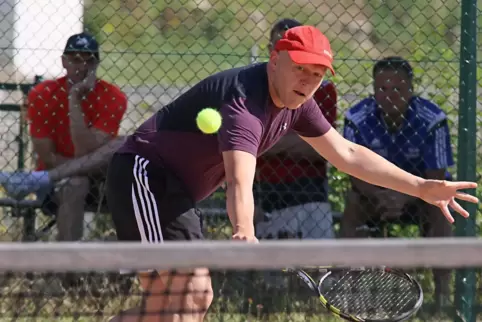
[48,112]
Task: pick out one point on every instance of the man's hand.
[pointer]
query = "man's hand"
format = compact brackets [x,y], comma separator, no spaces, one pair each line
[442,194]
[250,238]
[86,85]
[245,233]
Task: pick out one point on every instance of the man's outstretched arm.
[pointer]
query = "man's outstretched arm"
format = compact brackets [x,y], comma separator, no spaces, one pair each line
[88,163]
[368,166]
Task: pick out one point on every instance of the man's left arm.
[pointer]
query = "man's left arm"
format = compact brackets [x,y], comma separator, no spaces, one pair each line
[350,157]
[87,138]
[364,164]
[105,128]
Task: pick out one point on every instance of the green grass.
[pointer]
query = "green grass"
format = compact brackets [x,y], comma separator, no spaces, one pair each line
[76,307]
[239,296]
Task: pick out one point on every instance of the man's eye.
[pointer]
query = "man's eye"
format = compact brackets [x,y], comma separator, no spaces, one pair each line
[300,68]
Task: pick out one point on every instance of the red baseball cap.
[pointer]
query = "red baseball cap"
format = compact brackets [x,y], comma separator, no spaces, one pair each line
[307,45]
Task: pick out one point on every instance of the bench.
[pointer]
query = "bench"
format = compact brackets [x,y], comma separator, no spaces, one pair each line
[27,209]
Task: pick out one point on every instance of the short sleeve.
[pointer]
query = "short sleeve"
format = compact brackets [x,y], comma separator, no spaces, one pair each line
[351,133]
[438,150]
[38,114]
[109,116]
[240,130]
[311,122]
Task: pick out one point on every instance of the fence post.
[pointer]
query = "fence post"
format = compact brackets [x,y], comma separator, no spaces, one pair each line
[466,165]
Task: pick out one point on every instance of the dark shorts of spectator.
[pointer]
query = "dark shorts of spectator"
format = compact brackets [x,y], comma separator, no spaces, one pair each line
[276,196]
[416,212]
[95,198]
[410,212]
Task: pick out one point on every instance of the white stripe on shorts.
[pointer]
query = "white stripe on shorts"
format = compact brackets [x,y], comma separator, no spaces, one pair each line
[144,203]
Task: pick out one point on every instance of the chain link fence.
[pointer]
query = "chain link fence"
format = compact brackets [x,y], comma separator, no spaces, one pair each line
[154,50]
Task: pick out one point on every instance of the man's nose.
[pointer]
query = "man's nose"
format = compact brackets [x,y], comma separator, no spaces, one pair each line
[394,95]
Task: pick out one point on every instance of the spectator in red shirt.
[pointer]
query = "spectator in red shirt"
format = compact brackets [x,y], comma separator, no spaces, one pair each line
[72,119]
[292,186]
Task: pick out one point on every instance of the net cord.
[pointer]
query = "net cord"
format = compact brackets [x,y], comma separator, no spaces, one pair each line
[276,254]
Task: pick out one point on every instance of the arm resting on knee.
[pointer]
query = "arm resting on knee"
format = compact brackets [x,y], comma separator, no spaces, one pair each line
[87,163]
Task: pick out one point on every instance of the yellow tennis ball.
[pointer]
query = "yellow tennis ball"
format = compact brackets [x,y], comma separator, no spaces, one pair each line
[108,28]
[209,120]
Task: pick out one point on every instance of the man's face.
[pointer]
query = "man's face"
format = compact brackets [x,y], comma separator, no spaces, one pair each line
[393,90]
[294,84]
[78,65]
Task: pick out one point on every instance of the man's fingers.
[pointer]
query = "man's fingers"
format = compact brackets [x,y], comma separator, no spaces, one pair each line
[458,208]
[447,214]
[463,185]
[466,197]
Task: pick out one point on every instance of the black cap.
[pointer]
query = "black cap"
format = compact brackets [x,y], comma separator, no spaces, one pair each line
[84,43]
[283,25]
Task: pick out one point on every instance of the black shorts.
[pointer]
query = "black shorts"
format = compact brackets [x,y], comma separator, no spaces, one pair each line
[148,203]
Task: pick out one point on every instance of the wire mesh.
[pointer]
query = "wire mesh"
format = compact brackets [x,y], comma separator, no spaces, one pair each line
[154,50]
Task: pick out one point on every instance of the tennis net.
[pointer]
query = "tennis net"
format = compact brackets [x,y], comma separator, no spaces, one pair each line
[81,281]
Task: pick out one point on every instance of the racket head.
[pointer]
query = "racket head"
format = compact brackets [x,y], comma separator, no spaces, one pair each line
[305,278]
[377,294]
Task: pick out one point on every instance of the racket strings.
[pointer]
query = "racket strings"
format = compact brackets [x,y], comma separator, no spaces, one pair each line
[370,294]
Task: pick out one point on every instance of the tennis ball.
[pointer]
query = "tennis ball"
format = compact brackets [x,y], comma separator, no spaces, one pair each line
[108,28]
[208,120]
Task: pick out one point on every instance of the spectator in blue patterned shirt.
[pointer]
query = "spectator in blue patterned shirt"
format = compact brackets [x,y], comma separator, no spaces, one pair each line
[412,133]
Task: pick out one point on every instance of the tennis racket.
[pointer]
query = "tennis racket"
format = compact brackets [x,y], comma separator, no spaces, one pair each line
[371,294]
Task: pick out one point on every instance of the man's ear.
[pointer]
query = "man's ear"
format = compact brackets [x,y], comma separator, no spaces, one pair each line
[270,47]
[64,61]
[273,58]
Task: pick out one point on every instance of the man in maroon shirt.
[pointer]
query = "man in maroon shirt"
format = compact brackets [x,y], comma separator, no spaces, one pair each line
[168,164]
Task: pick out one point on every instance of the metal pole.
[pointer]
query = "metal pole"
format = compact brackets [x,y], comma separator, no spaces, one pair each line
[466,166]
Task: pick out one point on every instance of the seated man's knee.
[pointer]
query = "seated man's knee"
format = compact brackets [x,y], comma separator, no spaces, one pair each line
[73,188]
[355,215]
[355,208]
